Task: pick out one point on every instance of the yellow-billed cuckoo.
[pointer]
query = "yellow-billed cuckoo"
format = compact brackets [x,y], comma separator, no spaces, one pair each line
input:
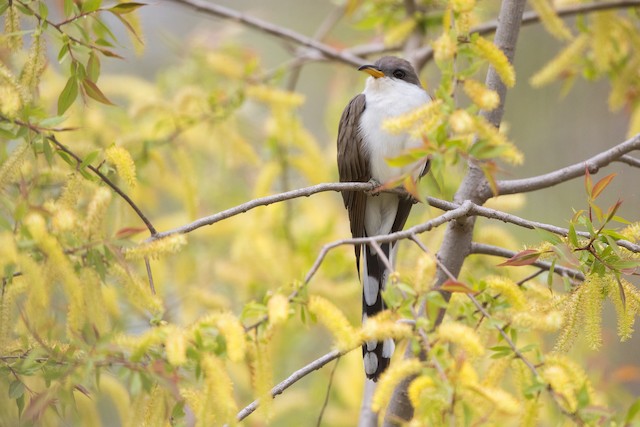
[392,89]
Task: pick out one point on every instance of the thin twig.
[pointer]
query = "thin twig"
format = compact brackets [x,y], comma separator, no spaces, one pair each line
[484,249]
[326,396]
[292,379]
[451,215]
[272,29]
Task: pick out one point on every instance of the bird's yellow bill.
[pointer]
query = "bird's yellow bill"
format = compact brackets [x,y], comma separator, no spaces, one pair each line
[372,70]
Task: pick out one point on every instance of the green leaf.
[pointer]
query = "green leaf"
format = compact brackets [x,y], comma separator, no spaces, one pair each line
[573,237]
[128,26]
[123,8]
[93,67]
[68,95]
[633,412]
[43,11]
[457,286]
[16,389]
[89,158]
[68,7]
[94,92]
[91,5]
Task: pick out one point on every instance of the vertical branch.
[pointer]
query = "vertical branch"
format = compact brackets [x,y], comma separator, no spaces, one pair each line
[458,236]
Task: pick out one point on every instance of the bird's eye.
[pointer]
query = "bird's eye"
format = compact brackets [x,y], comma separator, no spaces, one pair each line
[399,74]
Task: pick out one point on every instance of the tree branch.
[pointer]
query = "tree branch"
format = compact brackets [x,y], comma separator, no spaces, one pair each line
[567,173]
[484,249]
[425,54]
[291,380]
[272,29]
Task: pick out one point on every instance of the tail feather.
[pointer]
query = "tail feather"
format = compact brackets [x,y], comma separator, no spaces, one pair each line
[376,354]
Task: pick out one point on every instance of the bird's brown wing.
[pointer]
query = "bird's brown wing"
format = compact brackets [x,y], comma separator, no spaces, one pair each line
[353,166]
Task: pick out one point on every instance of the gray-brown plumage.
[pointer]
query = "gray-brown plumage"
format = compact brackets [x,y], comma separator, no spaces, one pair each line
[363,147]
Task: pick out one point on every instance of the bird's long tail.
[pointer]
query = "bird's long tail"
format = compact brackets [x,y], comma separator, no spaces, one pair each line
[376,354]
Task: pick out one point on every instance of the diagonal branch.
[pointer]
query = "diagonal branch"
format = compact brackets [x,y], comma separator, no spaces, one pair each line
[272,29]
[567,173]
[291,380]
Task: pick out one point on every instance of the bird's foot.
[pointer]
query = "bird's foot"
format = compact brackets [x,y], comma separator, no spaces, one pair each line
[375,191]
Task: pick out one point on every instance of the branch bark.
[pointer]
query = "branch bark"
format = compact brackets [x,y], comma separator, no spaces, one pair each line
[291,380]
[570,172]
[272,29]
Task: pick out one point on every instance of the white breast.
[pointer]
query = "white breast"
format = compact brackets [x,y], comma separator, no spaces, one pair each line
[385,98]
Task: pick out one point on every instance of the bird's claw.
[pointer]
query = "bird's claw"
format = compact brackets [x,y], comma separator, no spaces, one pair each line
[375,191]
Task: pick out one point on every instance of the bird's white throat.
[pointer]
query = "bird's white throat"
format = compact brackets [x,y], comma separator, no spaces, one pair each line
[385,98]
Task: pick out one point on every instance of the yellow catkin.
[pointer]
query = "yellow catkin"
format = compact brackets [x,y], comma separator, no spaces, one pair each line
[444,47]
[233,333]
[550,19]
[274,97]
[494,56]
[631,232]
[71,192]
[571,308]
[139,344]
[416,122]
[155,410]
[11,93]
[36,62]
[378,329]
[96,212]
[13,38]
[399,33]
[509,290]
[480,95]
[262,376]
[154,249]
[561,63]
[118,395]
[603,30]
[334,320]
[93,300]
[461,335]
[390,379]
[548,322]
[38,302]
[175,345]
[225,65]
[495,138]
[495,372]
[137,292]
[218,403]
[76,311]
[502,401]
[417,387]
[634,122]
[576,372]
[561,384]
[278,309]
[11,166]
[121,159]
[462,6]
[462,122]
[592,299]
[529,417]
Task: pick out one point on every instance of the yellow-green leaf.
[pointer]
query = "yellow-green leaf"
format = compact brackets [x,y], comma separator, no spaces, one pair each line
[94,92]
[68,95]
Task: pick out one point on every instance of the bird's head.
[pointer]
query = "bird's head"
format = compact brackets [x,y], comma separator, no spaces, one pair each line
[392,67]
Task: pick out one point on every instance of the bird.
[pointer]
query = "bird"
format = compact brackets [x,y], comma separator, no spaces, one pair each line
[392,89]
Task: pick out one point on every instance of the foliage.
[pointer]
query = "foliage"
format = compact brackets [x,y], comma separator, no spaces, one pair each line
[98,321]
